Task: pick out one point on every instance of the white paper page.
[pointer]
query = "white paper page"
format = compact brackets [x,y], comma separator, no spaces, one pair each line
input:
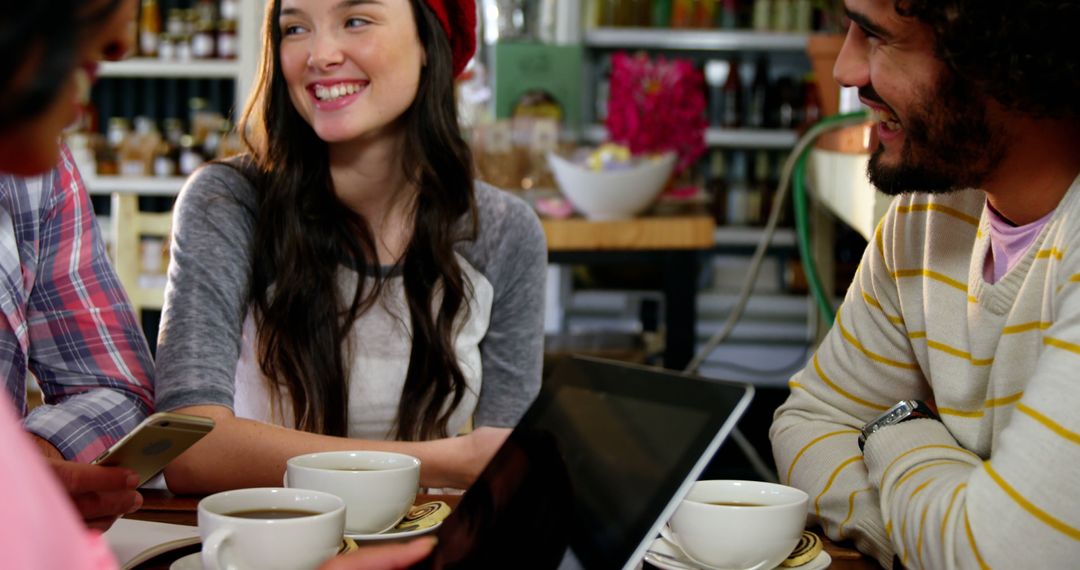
[129,539]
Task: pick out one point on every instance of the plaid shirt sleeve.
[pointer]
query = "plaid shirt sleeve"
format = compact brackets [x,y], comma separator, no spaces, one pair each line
[86,347]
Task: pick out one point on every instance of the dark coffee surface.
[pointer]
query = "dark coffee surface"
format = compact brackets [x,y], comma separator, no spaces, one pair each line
[272,514]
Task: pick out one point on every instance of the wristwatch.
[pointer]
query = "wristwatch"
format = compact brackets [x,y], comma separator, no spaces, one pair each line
[903,411]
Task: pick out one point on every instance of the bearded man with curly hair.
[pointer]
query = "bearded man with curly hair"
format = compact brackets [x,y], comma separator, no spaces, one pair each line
[937,425]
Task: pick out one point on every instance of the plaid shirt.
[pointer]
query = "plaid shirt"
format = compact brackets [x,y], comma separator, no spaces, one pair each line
[65,317]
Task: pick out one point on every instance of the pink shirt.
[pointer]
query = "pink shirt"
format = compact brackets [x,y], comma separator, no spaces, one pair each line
[1008,243]
[39,527]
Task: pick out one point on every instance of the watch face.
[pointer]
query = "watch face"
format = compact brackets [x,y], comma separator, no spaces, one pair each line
[894,414]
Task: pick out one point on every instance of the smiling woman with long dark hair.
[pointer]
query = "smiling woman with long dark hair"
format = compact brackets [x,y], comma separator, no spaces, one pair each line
[347,285]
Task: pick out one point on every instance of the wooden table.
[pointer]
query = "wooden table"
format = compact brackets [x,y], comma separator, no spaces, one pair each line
[162,506]
[673,243]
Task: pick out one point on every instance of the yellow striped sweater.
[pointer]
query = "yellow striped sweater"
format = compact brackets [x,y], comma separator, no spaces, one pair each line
[996,483]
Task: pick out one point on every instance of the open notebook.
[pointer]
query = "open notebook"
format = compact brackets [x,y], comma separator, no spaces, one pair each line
[134,542]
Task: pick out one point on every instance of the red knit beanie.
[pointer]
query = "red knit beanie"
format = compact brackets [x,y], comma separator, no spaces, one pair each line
[458,19]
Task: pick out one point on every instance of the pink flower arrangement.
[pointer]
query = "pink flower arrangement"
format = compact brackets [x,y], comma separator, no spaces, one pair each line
[656,106]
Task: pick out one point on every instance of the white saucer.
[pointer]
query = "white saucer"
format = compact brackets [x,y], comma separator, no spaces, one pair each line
[661,545]
[392,535]
[192,561]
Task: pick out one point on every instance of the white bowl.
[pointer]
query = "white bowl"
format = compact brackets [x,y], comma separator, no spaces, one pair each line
[612,194]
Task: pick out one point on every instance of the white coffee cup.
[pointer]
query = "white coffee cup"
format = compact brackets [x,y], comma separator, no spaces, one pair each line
[232,541]
[378,487]
[735,535]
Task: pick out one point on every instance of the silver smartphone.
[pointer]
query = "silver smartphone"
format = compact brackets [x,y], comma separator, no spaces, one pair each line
[155,442]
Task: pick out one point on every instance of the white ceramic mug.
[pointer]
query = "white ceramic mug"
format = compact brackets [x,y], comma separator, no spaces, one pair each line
[735,535]
[378,487]
[232,541]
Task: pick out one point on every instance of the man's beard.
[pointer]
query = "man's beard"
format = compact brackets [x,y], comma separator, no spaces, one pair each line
[949,142]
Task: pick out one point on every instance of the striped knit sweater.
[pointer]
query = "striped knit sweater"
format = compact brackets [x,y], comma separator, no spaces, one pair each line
[995,483]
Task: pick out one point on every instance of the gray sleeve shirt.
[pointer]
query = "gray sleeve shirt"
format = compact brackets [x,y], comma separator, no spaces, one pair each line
[206,299]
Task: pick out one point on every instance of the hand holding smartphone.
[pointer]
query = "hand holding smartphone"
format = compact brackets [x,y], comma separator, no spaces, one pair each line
[155,442]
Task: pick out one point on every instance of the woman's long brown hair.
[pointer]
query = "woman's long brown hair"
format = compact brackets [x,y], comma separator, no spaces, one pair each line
[303,234]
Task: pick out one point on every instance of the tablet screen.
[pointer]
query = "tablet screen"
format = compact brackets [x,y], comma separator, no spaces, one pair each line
[590,469]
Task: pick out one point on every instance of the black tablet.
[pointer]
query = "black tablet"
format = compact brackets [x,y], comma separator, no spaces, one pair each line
[593,470]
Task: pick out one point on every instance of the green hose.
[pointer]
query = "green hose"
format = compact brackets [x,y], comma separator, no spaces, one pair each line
[802,224]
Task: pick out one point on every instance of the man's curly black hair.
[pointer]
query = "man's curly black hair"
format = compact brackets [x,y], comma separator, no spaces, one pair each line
[1021,52]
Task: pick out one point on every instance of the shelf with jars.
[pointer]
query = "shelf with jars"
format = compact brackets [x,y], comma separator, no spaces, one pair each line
[154,118]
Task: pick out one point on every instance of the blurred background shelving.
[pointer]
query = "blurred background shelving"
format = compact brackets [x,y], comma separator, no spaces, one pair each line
[153,118]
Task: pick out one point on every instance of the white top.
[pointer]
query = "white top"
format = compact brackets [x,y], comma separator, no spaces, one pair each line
[378,363]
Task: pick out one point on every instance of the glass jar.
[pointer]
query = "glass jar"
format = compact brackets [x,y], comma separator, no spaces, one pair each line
[226,39]
[229,10]
[190,158]
[203,41]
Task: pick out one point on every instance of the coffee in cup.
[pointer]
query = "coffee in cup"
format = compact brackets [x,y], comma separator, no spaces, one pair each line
[748,525]
[270,528]
[378,487]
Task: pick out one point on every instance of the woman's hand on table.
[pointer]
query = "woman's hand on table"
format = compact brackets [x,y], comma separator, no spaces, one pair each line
[480,446]
[383,556]
[456,462]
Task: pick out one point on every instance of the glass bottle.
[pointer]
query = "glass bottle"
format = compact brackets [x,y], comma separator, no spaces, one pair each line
[625,13]
[803,17]
[661,13]
[705,13]
[729,15]
[762,15]
[149,28]
[783,13]
[716,72]
[104,157]
[787,104]
[811,105]
[759,95]
[716,185]
[731,116]
[643,13]
[682,13]
[757,197]
[738,192]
